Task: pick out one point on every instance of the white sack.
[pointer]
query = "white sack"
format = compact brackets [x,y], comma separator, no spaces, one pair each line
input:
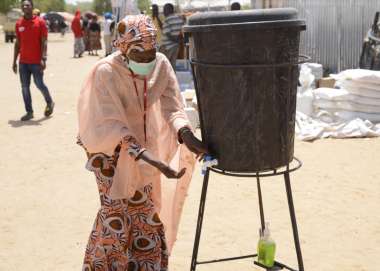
[359,75]
[345,105]
[333,94]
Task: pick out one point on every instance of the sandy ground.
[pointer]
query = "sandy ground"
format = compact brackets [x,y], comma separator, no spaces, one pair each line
[48,201]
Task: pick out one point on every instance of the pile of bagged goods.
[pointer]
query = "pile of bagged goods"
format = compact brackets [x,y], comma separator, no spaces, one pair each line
[340,106]
[186,84]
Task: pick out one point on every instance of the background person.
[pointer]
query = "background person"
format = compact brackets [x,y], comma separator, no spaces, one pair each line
[36,12]
[62,27]
[31,45]
[76,27]
[157,22]
[107,33]
[86,40]
[94,36]
[235,6]
[171,34]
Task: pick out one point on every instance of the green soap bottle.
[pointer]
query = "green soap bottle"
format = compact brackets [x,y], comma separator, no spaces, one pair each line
[266,247]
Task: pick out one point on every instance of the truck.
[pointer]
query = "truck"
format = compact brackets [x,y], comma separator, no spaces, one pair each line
[10,25]
[370,56]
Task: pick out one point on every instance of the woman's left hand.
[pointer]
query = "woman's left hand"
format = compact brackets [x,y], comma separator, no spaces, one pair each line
[194,144]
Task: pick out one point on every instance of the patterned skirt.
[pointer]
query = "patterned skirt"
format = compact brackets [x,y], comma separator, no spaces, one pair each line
[94,41]
[127,234]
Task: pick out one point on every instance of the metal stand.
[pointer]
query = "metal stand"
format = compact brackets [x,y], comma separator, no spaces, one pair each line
[296,164]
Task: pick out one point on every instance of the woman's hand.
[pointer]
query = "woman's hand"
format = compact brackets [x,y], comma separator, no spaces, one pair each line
[192,143]
[171,173]
[161,166]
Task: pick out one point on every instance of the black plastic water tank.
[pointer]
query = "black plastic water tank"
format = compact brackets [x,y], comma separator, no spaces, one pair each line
[245,67]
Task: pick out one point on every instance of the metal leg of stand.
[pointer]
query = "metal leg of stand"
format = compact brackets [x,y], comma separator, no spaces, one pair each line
[293,220]
[200,221]
[261,206]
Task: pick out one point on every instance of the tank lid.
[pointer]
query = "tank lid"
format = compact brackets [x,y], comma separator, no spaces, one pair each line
[242,16]
[274,16]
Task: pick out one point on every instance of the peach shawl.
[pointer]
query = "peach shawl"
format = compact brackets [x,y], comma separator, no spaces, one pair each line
[109,109]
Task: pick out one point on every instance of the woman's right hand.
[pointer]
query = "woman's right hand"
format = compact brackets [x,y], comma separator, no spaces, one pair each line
[161,166]
[171,173]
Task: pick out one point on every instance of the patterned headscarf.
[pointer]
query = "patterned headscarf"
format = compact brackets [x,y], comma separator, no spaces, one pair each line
[136,32]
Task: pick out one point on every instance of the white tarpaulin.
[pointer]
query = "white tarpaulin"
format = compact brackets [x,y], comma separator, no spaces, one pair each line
[308,128]
[351,110]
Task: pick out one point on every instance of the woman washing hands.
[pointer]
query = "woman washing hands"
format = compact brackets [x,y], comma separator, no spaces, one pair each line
[134,129]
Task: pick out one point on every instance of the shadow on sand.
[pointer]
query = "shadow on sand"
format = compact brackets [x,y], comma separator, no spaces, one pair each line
[19,123]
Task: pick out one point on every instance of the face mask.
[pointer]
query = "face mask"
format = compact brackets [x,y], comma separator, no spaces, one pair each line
[141,68]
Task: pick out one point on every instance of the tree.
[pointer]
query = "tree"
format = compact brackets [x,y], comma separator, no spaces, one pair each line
[82,6]
[49,5]
[56,5]
[246,6]
[144,5]
[6,5]
[101,6]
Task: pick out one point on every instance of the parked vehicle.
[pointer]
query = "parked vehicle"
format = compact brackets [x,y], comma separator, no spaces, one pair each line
[10,25]
[55,22]
[370,57]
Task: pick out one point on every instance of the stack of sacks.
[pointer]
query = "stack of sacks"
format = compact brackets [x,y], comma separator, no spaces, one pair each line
[188,97]
[358,96]
[310,73]
[316,70]
[186,84]
[185,80]
[305,94]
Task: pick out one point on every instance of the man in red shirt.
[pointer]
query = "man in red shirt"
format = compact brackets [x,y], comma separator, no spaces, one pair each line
[31,45]
[76,27]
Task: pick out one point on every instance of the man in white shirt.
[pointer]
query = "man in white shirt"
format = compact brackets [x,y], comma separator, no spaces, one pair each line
[107,32]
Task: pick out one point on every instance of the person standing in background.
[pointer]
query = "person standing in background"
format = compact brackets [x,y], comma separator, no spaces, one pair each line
[171,34]
[235,6]
[85,24]
[94,36]
[62,28]
[31,45]
[157,23]
[76,27]
[107,32]
[36,12]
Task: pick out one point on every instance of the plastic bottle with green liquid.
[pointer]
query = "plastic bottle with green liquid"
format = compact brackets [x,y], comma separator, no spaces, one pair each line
[266,247]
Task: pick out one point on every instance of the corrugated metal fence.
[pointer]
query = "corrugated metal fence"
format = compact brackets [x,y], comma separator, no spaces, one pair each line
[335,29]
